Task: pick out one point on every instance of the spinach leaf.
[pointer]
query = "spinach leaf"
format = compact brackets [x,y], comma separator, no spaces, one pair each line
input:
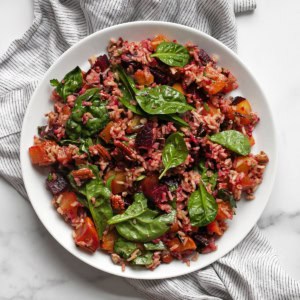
[75,128]
[232,140]
[126,98]
[208,177]
[143,260]
[175,152]
[155,247]
[124,248]
[71,83]
[98,198]
[226,196]
[128,90]
[175,119]
[145,227]
[138,207]
[172,54]
[202,207]
[162,100]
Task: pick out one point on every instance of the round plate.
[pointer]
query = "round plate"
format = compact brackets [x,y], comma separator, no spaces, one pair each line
[248,212]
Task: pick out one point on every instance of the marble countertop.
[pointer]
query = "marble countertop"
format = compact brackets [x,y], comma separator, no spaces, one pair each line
[34,266]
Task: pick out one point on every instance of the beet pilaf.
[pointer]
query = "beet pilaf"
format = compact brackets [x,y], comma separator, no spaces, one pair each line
[147,152]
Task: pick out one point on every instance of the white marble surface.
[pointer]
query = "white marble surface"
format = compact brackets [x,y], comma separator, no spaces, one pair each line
[34,266]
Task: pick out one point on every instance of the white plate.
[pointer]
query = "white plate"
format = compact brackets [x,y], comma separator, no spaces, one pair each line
[248,212]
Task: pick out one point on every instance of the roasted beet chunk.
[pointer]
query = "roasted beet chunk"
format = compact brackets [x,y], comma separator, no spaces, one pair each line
[102,62]
[127,61]
[201,239]
[56,183]
[197,92]
[144,138]
[237,100]
[204,57]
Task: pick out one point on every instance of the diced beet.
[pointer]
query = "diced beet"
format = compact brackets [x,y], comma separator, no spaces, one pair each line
[144,138]
[127,61]
[56,183]
[204,57]
[102,62]
[159,76]
[237,100]
[197,92]
[149,184]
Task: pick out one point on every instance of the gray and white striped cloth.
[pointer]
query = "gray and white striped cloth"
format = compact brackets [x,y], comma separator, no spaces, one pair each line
[251,270]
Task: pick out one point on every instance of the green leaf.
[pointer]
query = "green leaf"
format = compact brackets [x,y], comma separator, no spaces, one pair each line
[100,208]
[162,100]
[128,91]
[98,198]
[155,247]
[138,207]
[208,177]
[71,83]
[175,152]
[54,82]
[175,119]
[75,128]
[202,207]
[145,227]
[172,54]
[124,248]
[226,196]
[143,260]
[232,140]
[126,101]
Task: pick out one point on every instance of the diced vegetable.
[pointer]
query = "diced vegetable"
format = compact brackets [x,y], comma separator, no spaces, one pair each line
[40,155]
[105,133]
[108,241]
[177,86]
[214,227]
[85,236]
[68,205]
[175,245]
[157,40]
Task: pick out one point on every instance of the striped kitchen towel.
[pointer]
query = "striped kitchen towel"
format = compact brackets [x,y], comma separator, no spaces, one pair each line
[251,270]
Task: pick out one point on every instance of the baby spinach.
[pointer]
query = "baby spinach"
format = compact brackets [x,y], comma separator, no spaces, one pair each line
[226,196]
[98,198]
[126,101]
[232,140]
[75,128]
[143,260]
[172,54]
[71,83]
[202,207]
[145,227]
[162,100]
[155,247]
[208,177]
[175,119]
[138,207]
[124,248]
[175,152]
[128,90]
